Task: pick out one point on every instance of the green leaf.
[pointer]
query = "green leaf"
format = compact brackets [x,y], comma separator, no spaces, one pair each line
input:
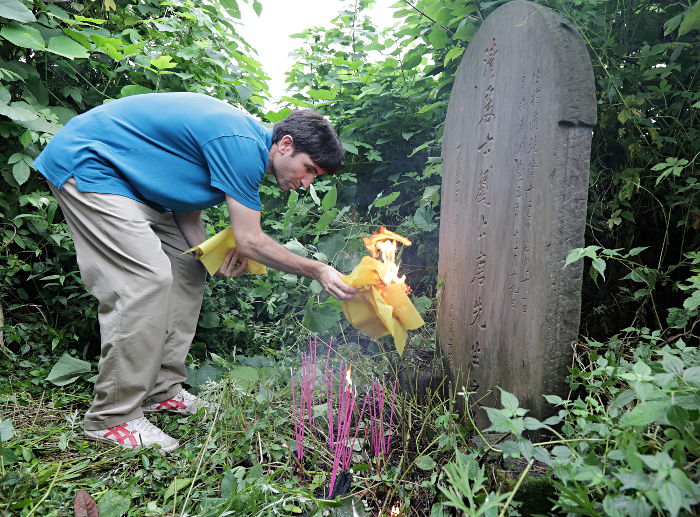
[325,220]
[23,36]
[321,94]
[644,414]
[314,196]
[133,89]
[599,265]
[244,92]
[692,375]
[7,432]
[203,374]
[672,364]
[671,496]
[320,318]
[20,171]
[691,20]
[330,199]
[426,463]
[383,201]
[67,47]
[113,504]
[229,483]
[257,7]
[509,401]
[179,484]
[245,373]
[163,62]
[276,116]
[296,247]
[425,109]
[349,147]
[677,416]
[16,10]
[453,54]
[208,320]
[67,369]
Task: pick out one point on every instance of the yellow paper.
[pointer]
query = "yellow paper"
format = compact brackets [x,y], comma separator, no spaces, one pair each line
[212,253]
[377,309]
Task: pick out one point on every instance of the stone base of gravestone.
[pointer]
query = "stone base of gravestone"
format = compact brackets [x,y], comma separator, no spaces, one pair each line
[516,153]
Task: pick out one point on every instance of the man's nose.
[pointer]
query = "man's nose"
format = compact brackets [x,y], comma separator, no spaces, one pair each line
[307,180]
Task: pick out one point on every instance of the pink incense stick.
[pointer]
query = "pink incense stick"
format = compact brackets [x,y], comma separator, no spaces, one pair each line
[391,418]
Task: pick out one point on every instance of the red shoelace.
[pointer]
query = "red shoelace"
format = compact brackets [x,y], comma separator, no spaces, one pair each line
[121,438]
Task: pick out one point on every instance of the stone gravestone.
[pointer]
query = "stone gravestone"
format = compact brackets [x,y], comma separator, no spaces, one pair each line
[516,153]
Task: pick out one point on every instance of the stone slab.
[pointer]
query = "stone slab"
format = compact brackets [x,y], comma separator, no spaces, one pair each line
[516,153]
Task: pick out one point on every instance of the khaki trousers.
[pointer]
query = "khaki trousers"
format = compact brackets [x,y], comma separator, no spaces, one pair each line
[130,259]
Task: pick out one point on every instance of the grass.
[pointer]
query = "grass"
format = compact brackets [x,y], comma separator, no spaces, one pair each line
[241,459]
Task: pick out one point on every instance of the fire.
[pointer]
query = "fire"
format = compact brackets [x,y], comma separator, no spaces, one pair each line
[348,379]
[384,242]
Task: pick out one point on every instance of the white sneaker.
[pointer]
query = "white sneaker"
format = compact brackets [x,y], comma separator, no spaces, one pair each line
[135,434]
[183,403]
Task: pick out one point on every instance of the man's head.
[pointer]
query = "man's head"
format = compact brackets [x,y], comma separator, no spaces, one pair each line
[312,134]
[304,145]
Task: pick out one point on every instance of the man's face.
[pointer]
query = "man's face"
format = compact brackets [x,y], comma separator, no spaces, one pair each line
[292,172]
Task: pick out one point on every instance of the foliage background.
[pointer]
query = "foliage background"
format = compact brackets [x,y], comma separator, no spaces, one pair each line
[642,288]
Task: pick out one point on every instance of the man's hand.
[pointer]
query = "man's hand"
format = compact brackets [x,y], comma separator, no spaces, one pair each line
[230,269]
[332,281]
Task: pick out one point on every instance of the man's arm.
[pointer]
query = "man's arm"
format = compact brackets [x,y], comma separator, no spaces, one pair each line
[254,244]
[192,228]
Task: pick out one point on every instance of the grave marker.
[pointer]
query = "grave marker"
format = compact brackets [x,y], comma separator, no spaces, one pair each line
[516,153]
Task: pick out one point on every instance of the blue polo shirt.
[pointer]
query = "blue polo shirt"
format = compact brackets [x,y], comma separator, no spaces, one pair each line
[171,151]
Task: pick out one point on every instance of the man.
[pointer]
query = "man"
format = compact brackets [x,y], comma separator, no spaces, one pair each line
[131,177]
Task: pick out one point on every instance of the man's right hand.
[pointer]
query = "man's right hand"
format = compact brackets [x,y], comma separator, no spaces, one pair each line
[332,281]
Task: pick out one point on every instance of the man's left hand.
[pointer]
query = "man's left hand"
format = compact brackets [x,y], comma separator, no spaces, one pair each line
[230,269]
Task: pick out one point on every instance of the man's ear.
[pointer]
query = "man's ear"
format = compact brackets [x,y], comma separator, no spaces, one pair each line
[286,144]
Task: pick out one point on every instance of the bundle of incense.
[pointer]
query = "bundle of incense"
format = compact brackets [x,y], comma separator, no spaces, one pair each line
[342,449]
[307,398]
[380,442]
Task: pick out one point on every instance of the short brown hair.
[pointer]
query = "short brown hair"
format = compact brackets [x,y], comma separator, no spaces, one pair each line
[311,134]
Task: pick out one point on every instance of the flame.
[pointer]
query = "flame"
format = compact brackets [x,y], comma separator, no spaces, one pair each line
[384,242]
[348,379]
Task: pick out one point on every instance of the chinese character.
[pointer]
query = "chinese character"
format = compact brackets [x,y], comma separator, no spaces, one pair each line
[482,231]
[483,192]
[532,168]
[479,274]
[476,351]
[519,169]
[476,312]
[533,121]
[521,126]
[533,145]
[488,106]
[490,58]
[485,148]
[523,105]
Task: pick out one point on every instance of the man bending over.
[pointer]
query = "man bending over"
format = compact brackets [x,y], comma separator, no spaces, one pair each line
[132,177]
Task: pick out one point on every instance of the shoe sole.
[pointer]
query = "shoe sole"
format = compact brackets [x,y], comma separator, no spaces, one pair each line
[130,447]
[206,412]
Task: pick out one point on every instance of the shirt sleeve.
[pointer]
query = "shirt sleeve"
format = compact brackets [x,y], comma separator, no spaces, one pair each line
[237,165]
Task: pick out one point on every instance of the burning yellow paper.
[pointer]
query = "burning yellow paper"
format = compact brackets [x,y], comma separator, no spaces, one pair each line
[381,307]
[212,253]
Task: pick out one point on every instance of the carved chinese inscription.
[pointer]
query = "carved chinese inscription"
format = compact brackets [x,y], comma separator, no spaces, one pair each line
[515,166]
